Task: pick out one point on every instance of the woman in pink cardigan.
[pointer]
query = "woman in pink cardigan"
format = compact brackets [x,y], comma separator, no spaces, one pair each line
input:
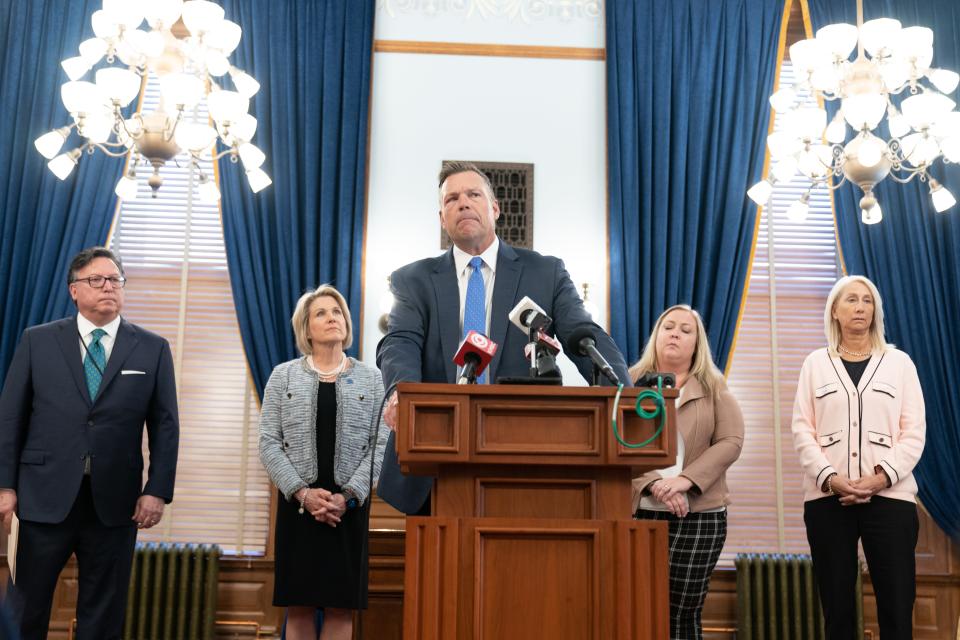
[858,426]
[692,495]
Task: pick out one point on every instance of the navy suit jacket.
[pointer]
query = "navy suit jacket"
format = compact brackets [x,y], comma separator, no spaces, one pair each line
[424,333]
[48,423]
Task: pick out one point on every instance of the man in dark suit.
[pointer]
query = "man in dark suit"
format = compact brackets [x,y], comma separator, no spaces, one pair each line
[432,311]
[72,414]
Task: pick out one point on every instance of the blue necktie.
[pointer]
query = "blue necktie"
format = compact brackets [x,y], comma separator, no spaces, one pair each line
[96,357]
[475,307]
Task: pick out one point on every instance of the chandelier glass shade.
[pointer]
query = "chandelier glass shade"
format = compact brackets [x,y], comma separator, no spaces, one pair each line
[186,45]
[895,117]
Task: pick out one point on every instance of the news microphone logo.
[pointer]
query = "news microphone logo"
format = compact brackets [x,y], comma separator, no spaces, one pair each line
[474,354]
[550,344]
[478,340]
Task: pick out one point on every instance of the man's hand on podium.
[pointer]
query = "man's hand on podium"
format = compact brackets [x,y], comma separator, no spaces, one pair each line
[390,413]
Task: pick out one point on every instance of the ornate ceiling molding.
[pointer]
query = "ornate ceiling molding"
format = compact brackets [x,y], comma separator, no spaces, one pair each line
[525,11]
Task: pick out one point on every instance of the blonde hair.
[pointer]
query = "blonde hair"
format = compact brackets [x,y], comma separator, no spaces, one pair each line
[701,364]
[301,317]
[831,328]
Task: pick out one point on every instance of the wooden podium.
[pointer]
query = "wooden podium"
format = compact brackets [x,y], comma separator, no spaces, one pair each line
[531,535]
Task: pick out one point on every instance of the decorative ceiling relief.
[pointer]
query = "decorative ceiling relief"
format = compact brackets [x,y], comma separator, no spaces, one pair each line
[525,11]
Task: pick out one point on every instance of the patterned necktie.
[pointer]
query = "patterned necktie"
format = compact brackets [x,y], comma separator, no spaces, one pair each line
[475,307]
[95,363]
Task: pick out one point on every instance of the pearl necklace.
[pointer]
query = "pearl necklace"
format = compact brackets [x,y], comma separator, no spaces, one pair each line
[333,372]
[852,353]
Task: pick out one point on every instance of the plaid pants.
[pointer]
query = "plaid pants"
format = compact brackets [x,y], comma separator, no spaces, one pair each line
[695,545]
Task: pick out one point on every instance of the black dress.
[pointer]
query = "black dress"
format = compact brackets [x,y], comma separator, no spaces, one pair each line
[318,565]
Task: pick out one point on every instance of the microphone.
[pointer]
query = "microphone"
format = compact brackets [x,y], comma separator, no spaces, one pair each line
[542,340]
[474,354]
[541,351]
[534,321]
[528,316]
[583,343]
[653,378]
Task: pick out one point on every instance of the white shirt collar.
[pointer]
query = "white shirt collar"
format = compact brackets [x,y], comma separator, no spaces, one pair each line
[85,327]
[462,259]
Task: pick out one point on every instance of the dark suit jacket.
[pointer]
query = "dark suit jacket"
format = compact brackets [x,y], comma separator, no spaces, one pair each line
[48,423]
[424,334]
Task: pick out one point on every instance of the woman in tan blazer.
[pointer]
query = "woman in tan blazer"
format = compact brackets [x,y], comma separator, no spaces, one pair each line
[692,495]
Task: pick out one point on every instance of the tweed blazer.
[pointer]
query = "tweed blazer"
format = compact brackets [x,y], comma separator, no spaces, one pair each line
[712,431]
[288,434]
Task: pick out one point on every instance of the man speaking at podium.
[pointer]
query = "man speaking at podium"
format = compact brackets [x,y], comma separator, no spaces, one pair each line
[473,286]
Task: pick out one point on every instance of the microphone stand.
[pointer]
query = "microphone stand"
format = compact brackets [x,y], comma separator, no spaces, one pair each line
[534,351]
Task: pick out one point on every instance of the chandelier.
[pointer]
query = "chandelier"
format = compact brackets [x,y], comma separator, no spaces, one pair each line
[891,61]
[186,48]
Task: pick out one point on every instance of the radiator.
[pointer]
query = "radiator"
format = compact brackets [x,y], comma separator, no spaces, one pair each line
[777,598]
[173,592]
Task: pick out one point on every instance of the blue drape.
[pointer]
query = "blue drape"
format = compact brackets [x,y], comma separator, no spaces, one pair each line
[687,89]
[312,59]
[44,222]
[913,256]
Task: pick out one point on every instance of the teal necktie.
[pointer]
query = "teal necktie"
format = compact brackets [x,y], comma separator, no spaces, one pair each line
[95,363]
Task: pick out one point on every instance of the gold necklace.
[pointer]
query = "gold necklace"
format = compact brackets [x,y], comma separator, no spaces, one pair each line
[853,353]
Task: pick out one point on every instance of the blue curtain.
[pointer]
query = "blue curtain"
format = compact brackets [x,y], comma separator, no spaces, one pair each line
[913,255]
[312,59]
[687,116]
[44,222]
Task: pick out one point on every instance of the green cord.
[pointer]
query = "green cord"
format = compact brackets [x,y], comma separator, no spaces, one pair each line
[659,409]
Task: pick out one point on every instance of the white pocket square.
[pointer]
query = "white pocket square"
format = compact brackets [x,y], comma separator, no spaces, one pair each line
[132,372]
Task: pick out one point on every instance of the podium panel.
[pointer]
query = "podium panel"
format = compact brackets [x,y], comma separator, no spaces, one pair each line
[532,535]
[495,578]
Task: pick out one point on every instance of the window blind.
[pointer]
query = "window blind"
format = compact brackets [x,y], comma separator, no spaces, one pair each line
[795,265]
[178,286]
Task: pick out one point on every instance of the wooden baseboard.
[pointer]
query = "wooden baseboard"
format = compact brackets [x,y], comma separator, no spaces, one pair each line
[246,593]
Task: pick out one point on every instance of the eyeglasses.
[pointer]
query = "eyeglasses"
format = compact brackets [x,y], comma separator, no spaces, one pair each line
[97,282]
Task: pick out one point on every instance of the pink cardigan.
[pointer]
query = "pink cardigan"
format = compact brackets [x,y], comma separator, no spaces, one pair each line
[839,428]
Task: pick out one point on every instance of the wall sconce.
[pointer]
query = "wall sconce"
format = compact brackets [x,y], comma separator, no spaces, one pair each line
[588,304]
[386,304]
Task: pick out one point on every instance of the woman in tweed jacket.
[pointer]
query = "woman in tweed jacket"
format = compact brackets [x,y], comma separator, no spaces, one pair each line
[318,425]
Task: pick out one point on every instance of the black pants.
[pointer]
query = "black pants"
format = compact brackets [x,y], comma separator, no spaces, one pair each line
[104,561]
[888,530]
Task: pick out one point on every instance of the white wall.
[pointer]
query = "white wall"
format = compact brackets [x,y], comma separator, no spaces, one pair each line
[557,23]
[428,107]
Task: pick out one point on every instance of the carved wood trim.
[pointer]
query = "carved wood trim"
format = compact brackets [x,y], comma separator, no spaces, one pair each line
[495,50]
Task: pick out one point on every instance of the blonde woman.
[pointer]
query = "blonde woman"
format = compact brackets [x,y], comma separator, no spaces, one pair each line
[692,495]
[859,427]
[316,438]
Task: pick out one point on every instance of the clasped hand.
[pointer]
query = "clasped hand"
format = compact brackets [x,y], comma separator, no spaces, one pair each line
[672,492]
[857,491]
[325,506]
